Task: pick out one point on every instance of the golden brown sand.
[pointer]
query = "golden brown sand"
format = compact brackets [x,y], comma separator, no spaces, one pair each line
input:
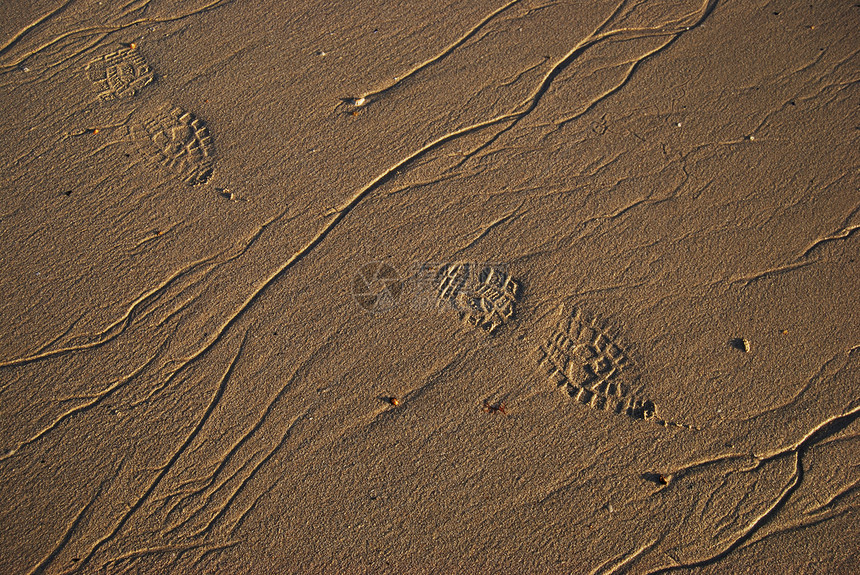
[425,287]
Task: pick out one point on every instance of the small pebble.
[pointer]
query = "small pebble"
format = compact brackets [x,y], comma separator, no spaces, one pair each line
[741,344]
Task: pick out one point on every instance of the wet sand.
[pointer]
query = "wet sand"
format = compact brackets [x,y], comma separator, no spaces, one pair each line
[494,287]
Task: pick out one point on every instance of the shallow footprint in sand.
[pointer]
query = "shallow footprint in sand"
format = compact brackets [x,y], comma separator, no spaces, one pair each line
[178,140]
[582,356]
[119,74]
[483,295]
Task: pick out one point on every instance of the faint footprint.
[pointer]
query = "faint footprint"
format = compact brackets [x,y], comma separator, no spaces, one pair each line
[119,74]
[172,136]
[581,356]
[178,140]
[483,295]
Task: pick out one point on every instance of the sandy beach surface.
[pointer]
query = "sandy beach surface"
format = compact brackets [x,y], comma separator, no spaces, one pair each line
[469,286]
